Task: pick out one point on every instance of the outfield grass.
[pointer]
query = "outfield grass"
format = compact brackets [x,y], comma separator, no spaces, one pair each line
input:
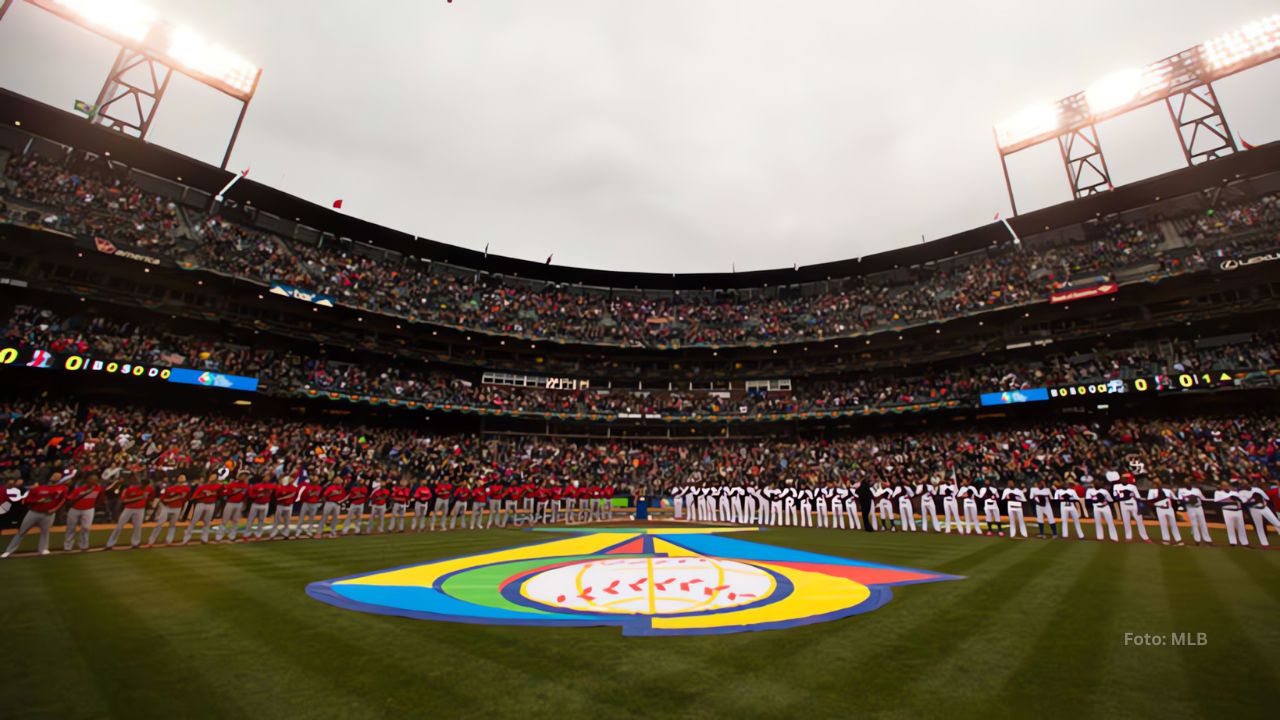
[1036,629]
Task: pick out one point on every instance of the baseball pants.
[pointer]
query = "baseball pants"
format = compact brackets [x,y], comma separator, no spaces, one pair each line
[165,514]
[1199,528]
[355,519]
[201,513]
[459,510]
[1071,513]
[1168,525]
[419,522]
[232,514]
[907,514]
[398,513]
[309,520]
[257,522]
[280,523]
[128,516]
[43,521]
[79,522]
[1236,532]
[1044,518]
[951,514]
[1102,514]
[1017,521]
[330,519]
[929,514]
[440,510]
[378,518]
[1128,512]
[1262,516]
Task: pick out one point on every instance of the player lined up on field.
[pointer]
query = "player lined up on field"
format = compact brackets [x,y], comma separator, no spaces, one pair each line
[259,507]
[942,504]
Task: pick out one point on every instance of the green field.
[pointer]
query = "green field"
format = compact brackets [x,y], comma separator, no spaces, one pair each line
[1036,629]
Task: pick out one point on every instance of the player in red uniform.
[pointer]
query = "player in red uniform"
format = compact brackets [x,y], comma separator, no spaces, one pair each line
[458,508]
[309,518]
[286,495]
[82,501]
[378,500]
[42,502]
[260,494]
[478,499]
[444,491]
[421,506]
[357,497]
[400,495]
[204,500]
[134,498]
[173,498]
[335,493]
[510,497]
[233,496]
[493,492]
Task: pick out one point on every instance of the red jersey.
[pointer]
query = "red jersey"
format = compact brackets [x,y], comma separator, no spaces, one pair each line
[135,496]
[335,493]
[206,493]
[46,498]
[379,496]
[84,497]
[175,496]
[400,495]
[358,494]
[262,492]
[422,493]
[311,493]
[493,491]
[444,490]
[462,494]
[235,491]
[286,494]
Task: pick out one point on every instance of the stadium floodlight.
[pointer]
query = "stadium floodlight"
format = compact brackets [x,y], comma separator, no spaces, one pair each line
[196,54]
[1184,81]
[1261,37]
[1032,122]
[125,18]
[150,50]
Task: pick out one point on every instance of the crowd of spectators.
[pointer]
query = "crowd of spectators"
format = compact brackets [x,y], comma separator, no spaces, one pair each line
[291,372]
[40,438]
[95,197]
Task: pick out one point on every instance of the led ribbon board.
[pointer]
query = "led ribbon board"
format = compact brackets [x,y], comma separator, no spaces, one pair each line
[670,581]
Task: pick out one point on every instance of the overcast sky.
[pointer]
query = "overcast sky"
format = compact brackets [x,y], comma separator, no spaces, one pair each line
[671,136]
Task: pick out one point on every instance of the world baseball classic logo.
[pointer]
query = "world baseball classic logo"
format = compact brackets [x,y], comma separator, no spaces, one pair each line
[647,582]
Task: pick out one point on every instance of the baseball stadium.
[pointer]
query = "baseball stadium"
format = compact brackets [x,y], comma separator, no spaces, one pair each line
[267,455]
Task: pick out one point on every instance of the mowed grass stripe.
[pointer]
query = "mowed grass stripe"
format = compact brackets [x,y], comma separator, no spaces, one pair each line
[1254,643]
[1079,656]
[905,639]
[337,673]
[993,650]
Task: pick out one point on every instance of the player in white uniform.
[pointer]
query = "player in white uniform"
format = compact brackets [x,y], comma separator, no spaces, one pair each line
[1068,509]
[904,492]
[677,502]
[991,509]
[851,507]
[1014,497]
[968,496]
[1259,510]
[804,503]
[822,506]
[1100,500]
[1193,500]
[1232,503]
[883,498]
[1165,502]
[950,506]
[1041,497]
[1126,493]
[928,510]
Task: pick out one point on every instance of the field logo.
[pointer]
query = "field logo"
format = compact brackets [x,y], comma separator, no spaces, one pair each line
[673,581]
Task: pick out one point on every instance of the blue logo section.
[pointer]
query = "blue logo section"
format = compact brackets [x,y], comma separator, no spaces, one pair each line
[304,295]
[1012,397]
[206,378]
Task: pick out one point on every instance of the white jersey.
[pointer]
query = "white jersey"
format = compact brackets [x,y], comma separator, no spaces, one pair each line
[1230,500]
[1125,492]
[1066,497]
[1192,497]
[1163,499]
[1098,497]
[1014,495]
[1041,496]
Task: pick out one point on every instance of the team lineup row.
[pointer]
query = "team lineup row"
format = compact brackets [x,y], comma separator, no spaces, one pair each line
[872,507]
[334,508]
[340,508]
